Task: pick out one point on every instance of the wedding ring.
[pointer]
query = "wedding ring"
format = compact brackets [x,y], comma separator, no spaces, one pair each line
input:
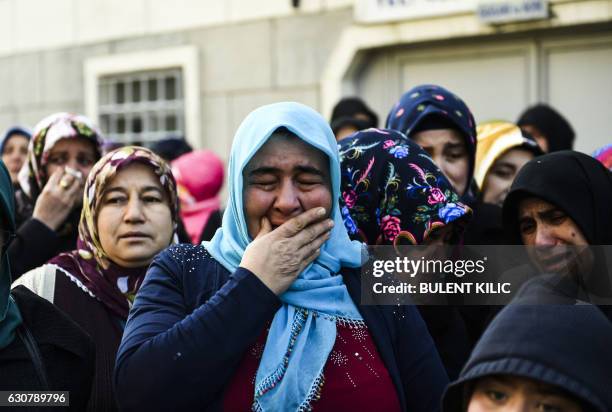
[63,184]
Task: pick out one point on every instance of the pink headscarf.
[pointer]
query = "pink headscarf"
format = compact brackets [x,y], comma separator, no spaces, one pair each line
[199,177]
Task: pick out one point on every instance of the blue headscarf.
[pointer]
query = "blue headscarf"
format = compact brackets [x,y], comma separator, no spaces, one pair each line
[303,331]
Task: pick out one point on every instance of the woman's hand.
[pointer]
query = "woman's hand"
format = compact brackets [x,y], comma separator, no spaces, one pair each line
[278,256]
[59,196]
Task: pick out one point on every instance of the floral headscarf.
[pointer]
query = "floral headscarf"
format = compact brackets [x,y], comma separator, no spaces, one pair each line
[89,265]
[427,101]
[47,133]
[392,192]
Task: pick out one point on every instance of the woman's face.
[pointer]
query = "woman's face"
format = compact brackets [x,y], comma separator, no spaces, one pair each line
[285,178]
[500,176]
[14,154]
[78,154]
[134,220]
[560,245]
[505,393]
[345,131]
[537,135]
[447,149]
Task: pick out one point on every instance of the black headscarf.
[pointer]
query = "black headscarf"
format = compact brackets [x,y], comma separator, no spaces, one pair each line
[564,346]
[552,124]
[171,148]
[574,182]
[351,106]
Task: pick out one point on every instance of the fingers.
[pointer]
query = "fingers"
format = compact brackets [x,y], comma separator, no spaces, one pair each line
[298,223]
[74,190]
[66,181]
[312,246]
[313,232]
[265,227]
[55,177]
[311,257]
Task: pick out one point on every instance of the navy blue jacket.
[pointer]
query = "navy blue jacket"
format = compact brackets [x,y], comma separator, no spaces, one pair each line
[192,321]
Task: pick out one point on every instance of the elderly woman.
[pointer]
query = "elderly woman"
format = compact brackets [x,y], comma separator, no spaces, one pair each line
[40,347]
[61,153]
[559,206]
[266,315]
[14,149]
[129,216]
[503,149]
[394,194]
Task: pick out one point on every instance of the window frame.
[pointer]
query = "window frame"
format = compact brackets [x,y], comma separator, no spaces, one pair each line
[184,58]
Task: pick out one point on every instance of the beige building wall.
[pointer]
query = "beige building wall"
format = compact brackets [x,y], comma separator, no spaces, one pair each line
[240,54]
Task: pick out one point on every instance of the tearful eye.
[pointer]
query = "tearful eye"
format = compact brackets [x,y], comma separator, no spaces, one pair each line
[263,184]
[503,173]
[496,396]
[85,161]
[558,218]
[309,182]
[526,226]
[547,407]
[455,155]
[57,160]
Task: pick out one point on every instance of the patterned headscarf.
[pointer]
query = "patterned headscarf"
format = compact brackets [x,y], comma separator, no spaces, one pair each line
[392,192]
[427,102]
[47,133]
[604,155]
[89,266]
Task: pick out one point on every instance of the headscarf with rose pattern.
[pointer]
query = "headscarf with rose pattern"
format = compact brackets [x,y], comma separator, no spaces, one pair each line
[89,266]
[392,192]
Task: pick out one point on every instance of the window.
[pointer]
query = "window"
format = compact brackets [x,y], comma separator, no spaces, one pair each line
[142,107]
[144,96]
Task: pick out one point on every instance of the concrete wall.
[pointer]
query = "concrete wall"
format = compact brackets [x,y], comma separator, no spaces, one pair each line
[241,66]
[27,25]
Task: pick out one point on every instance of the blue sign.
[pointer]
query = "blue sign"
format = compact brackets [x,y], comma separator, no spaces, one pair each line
[513,10]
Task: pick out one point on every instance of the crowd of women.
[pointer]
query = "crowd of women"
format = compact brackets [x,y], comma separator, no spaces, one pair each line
[123,282]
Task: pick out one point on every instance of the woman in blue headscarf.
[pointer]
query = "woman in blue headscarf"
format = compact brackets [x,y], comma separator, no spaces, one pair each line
[266,315]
